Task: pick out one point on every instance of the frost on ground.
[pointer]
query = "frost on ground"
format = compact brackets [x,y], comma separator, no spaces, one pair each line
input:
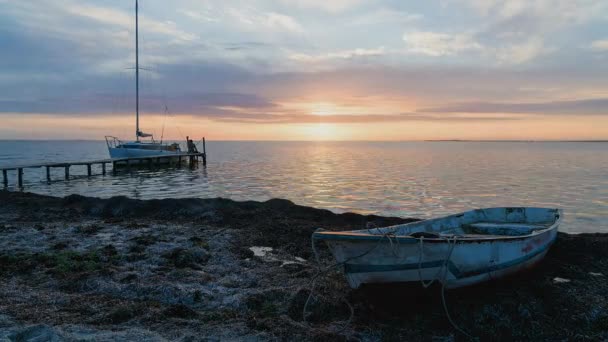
[82,268]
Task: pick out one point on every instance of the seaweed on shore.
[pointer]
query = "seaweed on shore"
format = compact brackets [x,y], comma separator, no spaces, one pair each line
[186,269]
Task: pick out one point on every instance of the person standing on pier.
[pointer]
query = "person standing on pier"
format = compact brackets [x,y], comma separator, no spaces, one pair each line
[191,146]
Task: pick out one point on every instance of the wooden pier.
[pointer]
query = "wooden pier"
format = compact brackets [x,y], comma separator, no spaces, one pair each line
[151,161]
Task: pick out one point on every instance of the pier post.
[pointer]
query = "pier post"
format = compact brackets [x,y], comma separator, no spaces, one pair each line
[179,161]
[150,163]
[103,169]
[48,174]
[5,178]
[113,167]
[204,153]
[67,172]
[128,164]
[20,177]
[89,170]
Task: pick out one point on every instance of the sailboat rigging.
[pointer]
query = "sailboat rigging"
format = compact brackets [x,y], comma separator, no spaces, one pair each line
[139,148]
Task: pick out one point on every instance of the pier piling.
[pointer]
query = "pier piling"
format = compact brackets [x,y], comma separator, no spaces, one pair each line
[204,153]
[128,162]
[20,177]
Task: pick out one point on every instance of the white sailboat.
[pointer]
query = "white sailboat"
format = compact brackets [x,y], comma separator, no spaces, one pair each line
[138,148]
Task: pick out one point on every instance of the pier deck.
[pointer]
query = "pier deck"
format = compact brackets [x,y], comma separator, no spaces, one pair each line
[192,158]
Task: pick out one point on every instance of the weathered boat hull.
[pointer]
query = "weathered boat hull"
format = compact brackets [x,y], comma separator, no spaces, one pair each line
[456,260]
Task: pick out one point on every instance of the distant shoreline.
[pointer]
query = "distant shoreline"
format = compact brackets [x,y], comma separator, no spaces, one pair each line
[332,141]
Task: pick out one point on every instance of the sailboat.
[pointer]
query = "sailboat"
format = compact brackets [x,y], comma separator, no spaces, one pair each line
[138,148]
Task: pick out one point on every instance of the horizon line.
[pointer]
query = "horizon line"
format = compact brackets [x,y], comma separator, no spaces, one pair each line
[412,140]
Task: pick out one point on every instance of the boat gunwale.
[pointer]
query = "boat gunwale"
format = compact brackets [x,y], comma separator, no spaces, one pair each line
[361,236]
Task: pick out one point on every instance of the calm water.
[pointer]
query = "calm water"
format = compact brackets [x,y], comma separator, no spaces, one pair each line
[419,179]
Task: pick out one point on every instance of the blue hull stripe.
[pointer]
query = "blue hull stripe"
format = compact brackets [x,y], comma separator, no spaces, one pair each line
[368,268]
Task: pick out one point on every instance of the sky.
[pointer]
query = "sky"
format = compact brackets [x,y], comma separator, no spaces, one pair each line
[306,69]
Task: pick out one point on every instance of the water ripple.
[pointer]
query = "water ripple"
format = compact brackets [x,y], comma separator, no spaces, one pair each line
[401,179]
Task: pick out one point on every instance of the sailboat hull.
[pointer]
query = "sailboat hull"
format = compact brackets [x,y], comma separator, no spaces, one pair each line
[118,153]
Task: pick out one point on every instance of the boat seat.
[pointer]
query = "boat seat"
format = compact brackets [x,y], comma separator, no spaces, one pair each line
[491,225]
[504,228]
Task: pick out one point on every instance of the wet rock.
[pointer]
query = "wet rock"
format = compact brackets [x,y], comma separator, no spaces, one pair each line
[293,267]
[198,242]
[179,311]
[244,253]
[122,314]
[136,225]
[128,278]
[88,229]
[36,333]
[60,245]
[192,257]
[145,240]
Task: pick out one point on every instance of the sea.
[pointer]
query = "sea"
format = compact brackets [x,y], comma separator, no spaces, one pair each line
[407,179]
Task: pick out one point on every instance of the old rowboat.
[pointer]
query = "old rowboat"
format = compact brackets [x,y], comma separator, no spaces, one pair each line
[456,250]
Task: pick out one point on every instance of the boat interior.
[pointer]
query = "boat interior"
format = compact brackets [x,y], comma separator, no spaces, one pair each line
[488,222]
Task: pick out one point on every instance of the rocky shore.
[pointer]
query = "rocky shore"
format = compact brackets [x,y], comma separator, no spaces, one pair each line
[83,268]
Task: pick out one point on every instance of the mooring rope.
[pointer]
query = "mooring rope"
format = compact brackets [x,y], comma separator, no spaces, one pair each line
[321,272]
[444,281]
[441,275]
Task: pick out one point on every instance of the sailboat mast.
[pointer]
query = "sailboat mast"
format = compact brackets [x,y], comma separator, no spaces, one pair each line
[136,74]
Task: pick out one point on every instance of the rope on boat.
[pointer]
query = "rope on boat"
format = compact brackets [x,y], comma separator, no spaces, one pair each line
[321,271]
[420,252]
[440,276]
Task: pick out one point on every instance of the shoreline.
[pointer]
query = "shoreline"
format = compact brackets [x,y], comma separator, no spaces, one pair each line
[180,269]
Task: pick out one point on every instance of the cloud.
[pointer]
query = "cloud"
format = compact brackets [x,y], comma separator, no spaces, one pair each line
[439,44]
[522,52]
[251,60]
[108,103]
[198,15]
[597,106]
[383,16]
[294,118]
[118,18]
[331,6]
[600,45]
[558,12]
[282,21]
[252,18]
[345,54]
[520,31]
